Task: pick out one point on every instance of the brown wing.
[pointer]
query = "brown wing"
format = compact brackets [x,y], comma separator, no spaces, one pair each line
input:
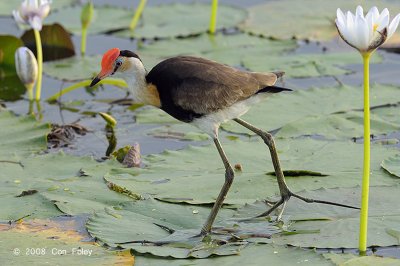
[203,86]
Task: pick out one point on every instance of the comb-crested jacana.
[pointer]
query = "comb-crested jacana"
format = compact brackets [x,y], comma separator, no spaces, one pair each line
[205,94]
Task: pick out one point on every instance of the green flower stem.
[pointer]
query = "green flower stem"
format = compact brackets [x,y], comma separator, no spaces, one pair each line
[367,155]
[116,82]
[137,15]
[83,41]
[213,18]
[29,88]
[39,57]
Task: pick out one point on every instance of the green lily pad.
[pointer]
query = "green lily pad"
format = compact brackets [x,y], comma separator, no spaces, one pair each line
[52,247]
[228,49]
[44,188]
[310,19]
[353,260]
[11,87]
[157,21]
[339,227]
[306,65]
[180,132]
[74,68]
[147,221]
[253,255]
[8,45]
[196,174]
[337,126]
[6,7]
[21,136]
[56,42]
[392,165]
[285,108]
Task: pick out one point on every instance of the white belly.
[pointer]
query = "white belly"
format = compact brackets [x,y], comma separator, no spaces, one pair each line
[211,122]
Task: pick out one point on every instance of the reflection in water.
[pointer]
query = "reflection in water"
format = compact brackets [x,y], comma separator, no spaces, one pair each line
[112,139]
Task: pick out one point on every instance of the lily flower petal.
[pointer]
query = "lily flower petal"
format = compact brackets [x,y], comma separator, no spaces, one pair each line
[365,33]
[32,12]
[393,25]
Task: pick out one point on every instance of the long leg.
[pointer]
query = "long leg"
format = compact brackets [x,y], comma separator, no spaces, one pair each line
[229,175]
[283,188]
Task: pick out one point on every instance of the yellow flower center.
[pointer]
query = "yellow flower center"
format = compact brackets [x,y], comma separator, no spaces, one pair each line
[375,27]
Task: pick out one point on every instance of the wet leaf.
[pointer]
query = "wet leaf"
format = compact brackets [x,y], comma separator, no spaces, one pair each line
[8,45]
[297,19]
[74,68]
[196,174]
[170,230]
[59,189]
[252,255]
[392,165]
[157,21]
[338,227]
[56,42]
[353,260]
[228,49]
[315,102]
[46,242]
[306,65]
[338,126]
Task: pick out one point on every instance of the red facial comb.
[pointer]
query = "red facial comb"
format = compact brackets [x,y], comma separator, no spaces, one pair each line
[109,57]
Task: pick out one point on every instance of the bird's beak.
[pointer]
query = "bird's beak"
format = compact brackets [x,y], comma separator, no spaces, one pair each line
[95,81]
[103,74]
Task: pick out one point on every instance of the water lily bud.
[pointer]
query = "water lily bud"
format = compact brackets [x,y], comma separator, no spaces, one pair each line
[87,14]
[26,66]
[109,119]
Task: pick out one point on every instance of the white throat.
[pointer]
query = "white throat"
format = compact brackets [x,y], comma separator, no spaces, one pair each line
[135,77]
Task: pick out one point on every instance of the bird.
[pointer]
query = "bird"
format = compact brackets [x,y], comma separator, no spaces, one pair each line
[203,93]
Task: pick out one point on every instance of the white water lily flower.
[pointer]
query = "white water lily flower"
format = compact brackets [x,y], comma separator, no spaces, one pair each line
[366,33]
[32,12]
[26,66]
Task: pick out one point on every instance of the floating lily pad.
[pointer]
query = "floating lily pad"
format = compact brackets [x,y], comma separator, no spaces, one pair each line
[170,230]
[8,45]
[6,7]
[196,174]
[228,49]
[11,88]
[157,21]
[74,68]
[105,18]
[310,19]
[20,137]
[338,227]
[56,42]
[353,260]
[338,126]
[392,165]
[45,188]
[253,255]
[281,109]
[41,244]
[306,65]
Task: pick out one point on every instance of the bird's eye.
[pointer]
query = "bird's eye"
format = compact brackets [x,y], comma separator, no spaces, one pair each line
[118,63]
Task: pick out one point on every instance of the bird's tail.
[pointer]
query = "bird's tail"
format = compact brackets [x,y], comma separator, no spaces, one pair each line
[273,89]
